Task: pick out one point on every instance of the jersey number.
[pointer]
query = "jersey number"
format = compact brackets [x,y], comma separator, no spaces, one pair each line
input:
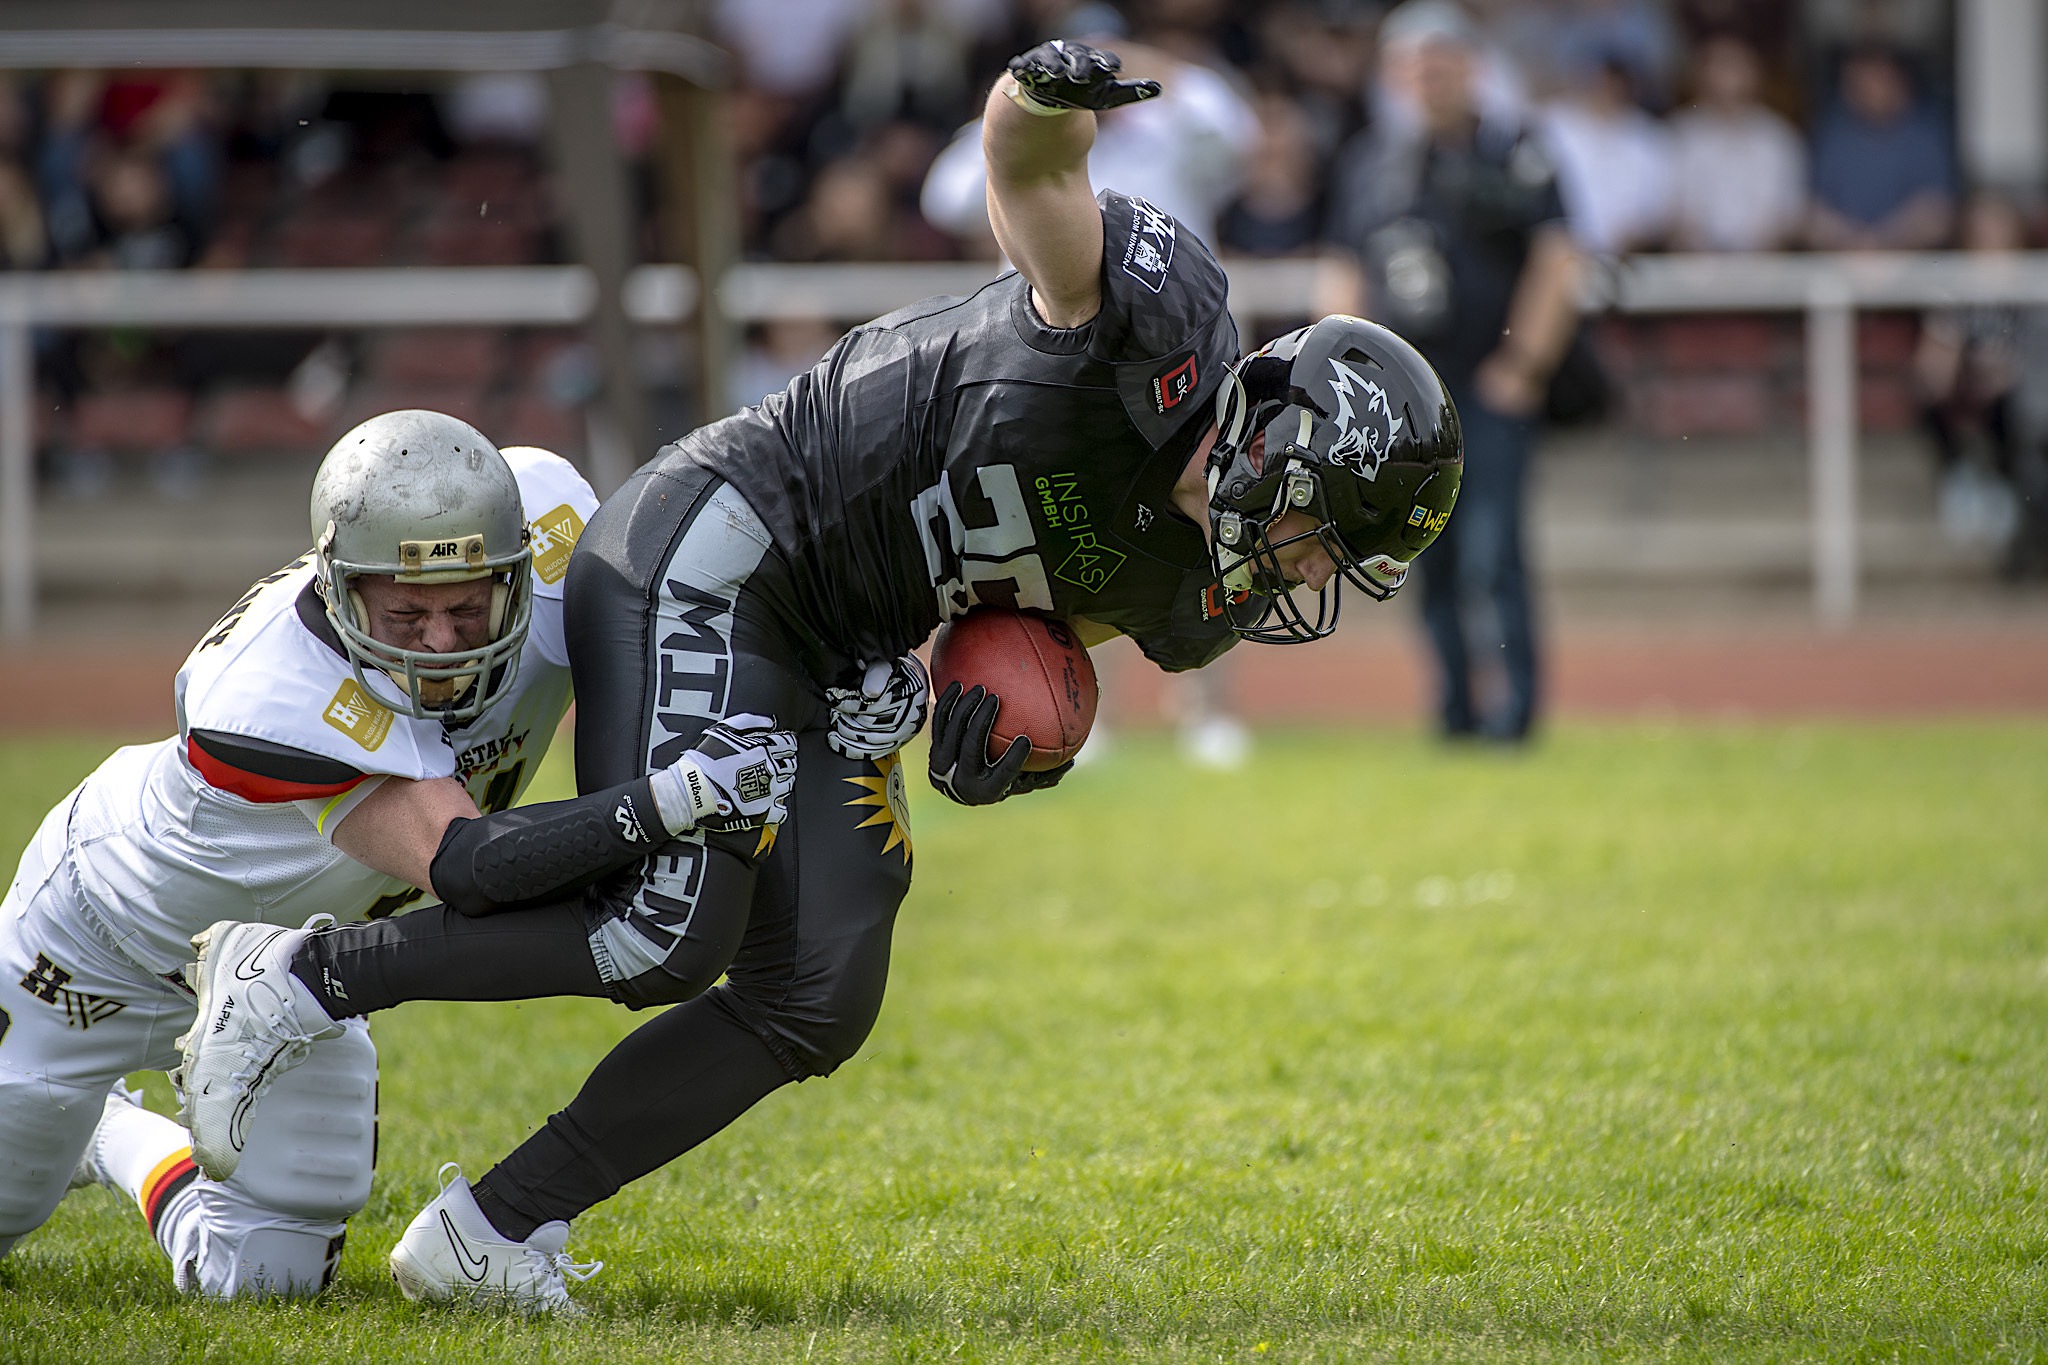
[502,789]
[226,625]
[974,566]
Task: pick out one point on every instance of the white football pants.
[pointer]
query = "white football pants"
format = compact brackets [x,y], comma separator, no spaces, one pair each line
[77,1016]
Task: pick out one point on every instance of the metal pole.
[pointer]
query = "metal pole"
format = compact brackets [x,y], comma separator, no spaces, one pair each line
[595,203]
[17,480]
[1831,388]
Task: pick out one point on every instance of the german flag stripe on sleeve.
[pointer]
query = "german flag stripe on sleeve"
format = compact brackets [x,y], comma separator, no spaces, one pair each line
[162,1184]
[265,773]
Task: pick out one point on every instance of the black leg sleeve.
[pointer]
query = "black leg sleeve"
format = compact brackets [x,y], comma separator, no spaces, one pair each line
[670,1084]
[436,954]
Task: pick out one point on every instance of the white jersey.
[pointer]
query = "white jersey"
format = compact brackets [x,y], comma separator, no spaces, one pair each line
[233,818]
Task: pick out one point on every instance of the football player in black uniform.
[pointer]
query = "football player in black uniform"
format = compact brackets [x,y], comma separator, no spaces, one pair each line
[1078,438]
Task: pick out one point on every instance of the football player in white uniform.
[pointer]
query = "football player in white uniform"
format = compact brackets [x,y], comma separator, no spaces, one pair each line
[341,733]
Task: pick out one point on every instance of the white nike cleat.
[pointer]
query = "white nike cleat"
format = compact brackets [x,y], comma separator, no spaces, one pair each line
[89,1170]
[451,1251]
[256,1021]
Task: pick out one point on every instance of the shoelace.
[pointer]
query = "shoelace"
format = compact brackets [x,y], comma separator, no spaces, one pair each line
[266,1067]
[550,1268]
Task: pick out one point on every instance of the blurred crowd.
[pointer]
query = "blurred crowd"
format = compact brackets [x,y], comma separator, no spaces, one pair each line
[1674,125]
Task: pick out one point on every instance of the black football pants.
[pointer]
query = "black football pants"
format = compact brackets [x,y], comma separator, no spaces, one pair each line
[679,614]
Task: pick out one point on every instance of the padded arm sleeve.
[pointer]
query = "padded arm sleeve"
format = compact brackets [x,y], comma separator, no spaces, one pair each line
[536,855]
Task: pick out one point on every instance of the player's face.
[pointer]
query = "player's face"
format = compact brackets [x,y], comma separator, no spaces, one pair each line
[1303,560]
[430,618]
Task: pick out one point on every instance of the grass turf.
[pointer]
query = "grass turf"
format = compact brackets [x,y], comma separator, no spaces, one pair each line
[1717,1044]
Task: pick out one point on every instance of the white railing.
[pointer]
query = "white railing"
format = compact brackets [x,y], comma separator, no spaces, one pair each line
[1828,289]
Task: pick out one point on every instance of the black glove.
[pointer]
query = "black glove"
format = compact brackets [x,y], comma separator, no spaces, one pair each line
[960,765]
[1071,76]
[1028,781]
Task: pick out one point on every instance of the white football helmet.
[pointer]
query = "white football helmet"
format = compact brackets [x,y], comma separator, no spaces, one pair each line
[424,498]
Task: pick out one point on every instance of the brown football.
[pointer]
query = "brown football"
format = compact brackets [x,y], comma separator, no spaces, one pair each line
[1036,665]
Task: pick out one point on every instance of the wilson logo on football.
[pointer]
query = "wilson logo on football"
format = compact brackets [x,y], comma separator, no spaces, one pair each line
[358,715]
[554,536]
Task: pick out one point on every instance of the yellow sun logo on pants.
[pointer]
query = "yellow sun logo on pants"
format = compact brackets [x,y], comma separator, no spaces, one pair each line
[885,792]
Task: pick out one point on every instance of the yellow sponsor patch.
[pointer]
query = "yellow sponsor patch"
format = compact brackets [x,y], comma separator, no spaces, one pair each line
[554,536]
[1429,521]
[359,715]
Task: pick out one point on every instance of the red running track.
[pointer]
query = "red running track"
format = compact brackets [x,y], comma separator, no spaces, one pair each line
[1376,675]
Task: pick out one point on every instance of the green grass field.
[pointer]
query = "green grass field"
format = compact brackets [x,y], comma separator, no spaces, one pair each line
[1713,1044]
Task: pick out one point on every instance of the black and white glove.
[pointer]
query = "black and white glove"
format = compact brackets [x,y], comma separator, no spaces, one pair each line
[738,776]
[960,765]
[1057,76]
[882,715]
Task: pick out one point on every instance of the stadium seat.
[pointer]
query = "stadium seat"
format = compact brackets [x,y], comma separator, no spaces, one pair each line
[528,419]
[1732,404]
[505,179]
[1887,340]
[313,241]
[1731,342]
[467,401]
[465,356]
[458,240]
[260,421]
[140,420]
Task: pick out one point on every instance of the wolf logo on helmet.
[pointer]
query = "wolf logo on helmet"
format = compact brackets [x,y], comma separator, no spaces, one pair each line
[1374,466]
[1361,448]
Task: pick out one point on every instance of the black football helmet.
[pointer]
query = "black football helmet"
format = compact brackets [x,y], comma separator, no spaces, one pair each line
[1361,437]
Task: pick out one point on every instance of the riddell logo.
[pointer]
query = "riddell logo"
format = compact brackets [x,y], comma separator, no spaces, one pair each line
[1177,383]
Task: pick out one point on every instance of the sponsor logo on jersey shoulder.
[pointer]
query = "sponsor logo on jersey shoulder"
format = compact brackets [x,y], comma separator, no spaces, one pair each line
[1148,255]
[358,715]
[1217,602]
[1177,383]
[554,536]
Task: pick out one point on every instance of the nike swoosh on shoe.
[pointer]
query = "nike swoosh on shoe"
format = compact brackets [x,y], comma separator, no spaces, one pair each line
[463,1255]
[251,956]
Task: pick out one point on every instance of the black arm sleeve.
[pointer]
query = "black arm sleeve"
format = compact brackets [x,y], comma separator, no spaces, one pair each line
[536,855]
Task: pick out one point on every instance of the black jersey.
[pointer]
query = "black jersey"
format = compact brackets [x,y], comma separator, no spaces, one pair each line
[959,452]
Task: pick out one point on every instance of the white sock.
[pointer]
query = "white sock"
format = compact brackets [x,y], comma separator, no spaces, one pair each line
[148,1156]
[130,1143]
